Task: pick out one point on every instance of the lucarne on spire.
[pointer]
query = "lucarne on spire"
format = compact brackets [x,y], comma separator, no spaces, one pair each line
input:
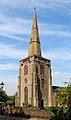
[34,48]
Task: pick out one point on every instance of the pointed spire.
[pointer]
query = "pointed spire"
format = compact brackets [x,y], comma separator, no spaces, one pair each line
[34,48]
[35,19]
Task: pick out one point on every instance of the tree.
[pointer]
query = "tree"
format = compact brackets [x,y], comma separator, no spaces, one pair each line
[11,100]
[63,95]
[3,96]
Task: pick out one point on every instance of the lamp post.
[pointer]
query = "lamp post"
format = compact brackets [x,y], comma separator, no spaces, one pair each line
[2,85]
[0,108]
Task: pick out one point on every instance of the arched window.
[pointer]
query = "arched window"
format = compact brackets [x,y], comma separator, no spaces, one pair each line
[36,90]
[36,69]
[25,80]
[26,95]
[42,69]
[42,82]
[25,70]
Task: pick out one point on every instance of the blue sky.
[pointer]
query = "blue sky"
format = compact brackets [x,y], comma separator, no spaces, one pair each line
[54,21]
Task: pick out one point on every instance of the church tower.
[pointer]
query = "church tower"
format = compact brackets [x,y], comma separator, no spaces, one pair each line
[34,80]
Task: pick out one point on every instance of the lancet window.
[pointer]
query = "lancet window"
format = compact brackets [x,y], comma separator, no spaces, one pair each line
[42,69]
[26,95]
[42,82]
[25,70]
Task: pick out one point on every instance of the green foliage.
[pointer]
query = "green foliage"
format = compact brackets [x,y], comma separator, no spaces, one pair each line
[50,111]
[59,113]
[27,105]
[11,100]
[63,95]
[3,96]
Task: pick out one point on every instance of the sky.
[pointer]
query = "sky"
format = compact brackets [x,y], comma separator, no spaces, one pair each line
[54,22]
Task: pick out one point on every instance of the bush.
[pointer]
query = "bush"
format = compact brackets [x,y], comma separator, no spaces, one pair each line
[27,105]
[59,113]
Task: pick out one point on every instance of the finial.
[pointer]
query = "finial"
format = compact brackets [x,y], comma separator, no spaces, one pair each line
[34,8]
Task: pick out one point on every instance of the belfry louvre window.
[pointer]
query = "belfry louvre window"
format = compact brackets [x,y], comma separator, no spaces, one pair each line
[25,70]
[42,69]
[26,95]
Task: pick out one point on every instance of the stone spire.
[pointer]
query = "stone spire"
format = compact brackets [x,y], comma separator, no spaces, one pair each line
[34,47]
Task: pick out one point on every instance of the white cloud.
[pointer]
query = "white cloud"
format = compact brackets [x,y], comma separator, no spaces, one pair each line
[9,66]
[56,33]
[61,74]
[49,4]
[59,77]
[12,36]
[55,29]
[59,54]
[13,27]
[11,52]
[10,82]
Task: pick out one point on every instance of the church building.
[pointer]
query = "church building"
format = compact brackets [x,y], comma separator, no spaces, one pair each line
[34,80]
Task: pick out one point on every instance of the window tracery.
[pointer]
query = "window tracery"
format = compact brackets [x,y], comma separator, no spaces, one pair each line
[42,69]
[25,70]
